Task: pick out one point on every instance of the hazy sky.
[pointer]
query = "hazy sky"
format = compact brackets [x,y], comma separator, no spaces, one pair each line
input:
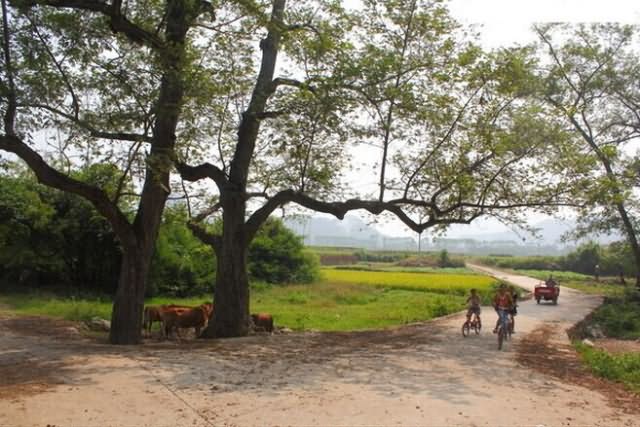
[507,21]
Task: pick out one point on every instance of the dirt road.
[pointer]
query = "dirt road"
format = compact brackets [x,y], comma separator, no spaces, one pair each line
[425,374]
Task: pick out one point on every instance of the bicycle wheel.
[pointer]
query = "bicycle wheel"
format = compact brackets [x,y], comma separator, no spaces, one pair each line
[465,329]
[500,337]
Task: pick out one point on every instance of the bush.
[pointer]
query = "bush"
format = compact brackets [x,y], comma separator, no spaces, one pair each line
[277,255]
[51,238]
[363,255]
[441,260]
[181,265]
[619,317]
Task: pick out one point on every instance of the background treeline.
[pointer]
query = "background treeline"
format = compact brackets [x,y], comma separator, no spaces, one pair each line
[57,240]
[612,260]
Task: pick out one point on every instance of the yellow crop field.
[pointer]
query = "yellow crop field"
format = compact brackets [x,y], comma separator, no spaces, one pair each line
[458,284]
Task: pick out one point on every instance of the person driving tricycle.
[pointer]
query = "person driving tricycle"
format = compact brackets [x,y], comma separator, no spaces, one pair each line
[551,282]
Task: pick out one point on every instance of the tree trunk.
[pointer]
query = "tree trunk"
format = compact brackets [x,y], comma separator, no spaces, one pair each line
[128,304]
[231,313]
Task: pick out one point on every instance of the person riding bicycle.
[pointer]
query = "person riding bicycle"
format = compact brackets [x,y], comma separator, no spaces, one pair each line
[514,307]
[502,303]
[473,302]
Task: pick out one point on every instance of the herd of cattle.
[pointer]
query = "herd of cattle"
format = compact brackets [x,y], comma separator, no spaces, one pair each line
[176,317]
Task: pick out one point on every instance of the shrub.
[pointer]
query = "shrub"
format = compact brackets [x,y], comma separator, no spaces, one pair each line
[181,265]
[277,255]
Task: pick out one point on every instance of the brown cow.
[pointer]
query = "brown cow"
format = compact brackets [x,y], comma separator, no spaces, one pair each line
[153,313]
[188,318]
[208,307]
[262,321]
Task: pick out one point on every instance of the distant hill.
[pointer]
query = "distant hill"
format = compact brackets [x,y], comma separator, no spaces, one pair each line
[353,232]
[550,232]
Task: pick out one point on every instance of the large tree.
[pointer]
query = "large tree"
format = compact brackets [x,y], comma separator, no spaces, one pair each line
[113,79]
[452,137]
[591,78]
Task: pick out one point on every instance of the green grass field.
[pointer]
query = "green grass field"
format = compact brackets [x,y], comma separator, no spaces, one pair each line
[328,306]
[343,300]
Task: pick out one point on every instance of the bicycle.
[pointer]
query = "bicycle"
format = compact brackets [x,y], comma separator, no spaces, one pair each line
[473,323]
[504,329]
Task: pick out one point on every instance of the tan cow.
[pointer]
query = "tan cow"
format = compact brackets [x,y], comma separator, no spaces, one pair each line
[153,313]
[181,319]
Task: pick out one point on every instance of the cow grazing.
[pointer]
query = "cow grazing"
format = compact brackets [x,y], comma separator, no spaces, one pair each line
[181,319]
[262,322]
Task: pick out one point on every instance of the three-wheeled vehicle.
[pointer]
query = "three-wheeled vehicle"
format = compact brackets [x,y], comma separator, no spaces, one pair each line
[548,291]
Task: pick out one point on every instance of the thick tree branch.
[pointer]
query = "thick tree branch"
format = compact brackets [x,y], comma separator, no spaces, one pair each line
[263,90]
[466,211]
[10,113]
[281,81]
[207,212]
[213,240]
[52,178]
[205,170]
[118,22]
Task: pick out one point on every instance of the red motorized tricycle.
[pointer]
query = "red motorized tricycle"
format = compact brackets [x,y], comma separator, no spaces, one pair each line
[549,291]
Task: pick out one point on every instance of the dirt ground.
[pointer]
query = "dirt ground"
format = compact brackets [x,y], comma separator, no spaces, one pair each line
[422,374]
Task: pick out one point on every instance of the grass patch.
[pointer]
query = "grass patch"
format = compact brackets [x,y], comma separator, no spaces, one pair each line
[77,309]
[624,367]
[68,308]
[331,306]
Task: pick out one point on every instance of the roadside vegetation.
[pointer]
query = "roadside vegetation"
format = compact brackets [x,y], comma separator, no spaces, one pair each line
[619,318]
[586,261]
[622,367]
